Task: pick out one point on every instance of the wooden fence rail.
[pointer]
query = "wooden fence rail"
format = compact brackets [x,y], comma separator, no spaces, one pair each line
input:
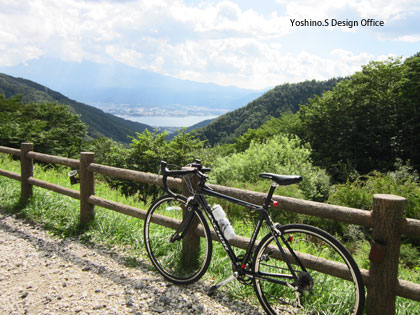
[386,219]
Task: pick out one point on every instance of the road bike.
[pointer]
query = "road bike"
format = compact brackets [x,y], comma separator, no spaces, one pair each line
[295,268]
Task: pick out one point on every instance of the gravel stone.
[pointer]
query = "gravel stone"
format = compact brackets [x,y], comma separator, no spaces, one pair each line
[42,274]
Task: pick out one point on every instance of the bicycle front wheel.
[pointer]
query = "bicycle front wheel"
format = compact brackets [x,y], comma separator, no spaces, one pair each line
[327,279]
[180,261]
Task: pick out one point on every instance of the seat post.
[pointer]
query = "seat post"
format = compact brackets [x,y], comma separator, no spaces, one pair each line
[270,195]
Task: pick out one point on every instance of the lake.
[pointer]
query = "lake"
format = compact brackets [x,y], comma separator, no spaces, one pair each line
[157,121]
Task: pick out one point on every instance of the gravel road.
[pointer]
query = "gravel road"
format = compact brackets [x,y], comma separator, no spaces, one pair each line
[42,274]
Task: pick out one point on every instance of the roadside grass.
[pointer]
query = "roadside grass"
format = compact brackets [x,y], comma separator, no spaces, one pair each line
[59,215]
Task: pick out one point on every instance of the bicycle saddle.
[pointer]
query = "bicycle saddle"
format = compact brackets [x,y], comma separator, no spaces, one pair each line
[282,180]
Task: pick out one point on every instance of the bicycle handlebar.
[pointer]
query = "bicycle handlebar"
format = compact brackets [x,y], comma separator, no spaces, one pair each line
[198,169]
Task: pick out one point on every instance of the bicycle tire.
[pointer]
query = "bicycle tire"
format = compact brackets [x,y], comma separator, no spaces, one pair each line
[168,257]
[322,293]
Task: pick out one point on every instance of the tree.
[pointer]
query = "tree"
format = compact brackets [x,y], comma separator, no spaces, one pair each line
[53,128]
[356,124]
[287,123]
[146,151]
[408,92]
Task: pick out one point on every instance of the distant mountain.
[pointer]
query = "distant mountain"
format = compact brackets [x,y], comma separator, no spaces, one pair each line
[201,124]
[98,122]
[283,98]
[116,83]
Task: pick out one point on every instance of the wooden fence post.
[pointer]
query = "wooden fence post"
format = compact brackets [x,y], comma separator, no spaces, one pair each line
[388,215]
[87,188]
[191,241]
[26,170]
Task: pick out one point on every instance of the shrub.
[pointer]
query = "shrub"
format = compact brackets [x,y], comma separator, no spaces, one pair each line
[146,151]
[280,154]
[359,193]
[409,256]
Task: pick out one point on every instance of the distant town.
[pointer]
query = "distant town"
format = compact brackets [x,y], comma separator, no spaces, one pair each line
[174,110]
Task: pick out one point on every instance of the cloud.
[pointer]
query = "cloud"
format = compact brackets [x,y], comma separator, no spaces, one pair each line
[410,38]
[217,41]
[381,9]
[271,66]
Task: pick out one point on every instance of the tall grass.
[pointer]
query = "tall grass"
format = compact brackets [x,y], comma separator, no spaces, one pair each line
[59,214]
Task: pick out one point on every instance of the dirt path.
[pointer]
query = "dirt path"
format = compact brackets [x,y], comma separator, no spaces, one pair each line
[41,274]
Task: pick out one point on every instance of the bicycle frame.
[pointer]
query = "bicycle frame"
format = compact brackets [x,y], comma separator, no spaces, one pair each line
[240,265]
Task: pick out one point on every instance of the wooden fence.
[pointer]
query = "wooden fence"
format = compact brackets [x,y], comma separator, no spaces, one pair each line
[386,220]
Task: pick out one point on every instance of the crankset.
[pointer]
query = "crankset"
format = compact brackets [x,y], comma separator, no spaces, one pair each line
[242,277]
[304,282]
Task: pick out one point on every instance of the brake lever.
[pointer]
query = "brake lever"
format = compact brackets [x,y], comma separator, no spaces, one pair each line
[202,175]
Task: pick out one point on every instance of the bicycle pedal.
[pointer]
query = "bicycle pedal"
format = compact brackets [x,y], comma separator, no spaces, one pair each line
[213,288]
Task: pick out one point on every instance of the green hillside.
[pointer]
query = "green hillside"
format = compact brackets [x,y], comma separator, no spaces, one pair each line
[99,123]
[281,99]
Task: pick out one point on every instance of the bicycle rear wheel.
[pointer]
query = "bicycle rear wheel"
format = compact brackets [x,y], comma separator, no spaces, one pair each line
[328,283]
[173,259]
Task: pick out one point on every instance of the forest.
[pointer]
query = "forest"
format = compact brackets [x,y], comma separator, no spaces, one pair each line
[281,99]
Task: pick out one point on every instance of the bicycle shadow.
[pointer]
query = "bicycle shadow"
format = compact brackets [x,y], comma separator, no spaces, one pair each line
[168,298]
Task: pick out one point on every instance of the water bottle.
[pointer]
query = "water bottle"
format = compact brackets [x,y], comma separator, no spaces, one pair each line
[227,229]
[224,224]
[218,212]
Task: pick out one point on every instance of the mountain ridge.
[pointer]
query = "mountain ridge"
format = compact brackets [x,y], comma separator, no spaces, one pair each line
[117,83]
[99,123]
[283,98]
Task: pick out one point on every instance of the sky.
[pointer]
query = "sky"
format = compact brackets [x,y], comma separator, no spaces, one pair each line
[245,43]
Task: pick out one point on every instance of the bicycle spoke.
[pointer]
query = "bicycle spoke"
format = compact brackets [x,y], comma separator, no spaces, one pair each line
[316,292]
[168,256]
